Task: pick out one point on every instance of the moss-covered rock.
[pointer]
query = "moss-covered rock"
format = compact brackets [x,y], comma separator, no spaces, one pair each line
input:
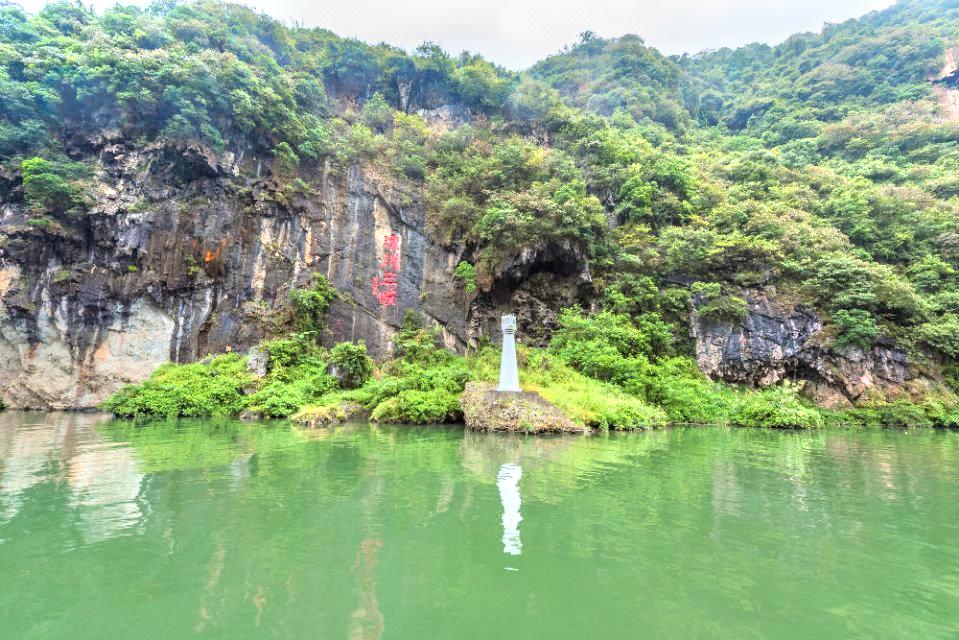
[486,409]
[315,416]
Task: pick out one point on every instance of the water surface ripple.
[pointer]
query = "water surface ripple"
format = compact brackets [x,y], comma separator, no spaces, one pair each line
[218,529]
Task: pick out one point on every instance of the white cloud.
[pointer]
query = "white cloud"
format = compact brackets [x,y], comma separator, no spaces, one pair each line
[517,33]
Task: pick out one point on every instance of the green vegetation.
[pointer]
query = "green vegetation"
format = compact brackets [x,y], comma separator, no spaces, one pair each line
[588,401]
[465,274]
[212,73]
[51,187]
[422,387]
[353,363]
[713,304]
[508,194]
[309,304]
[600,370]
[823,170]
[778,408]
[210,388]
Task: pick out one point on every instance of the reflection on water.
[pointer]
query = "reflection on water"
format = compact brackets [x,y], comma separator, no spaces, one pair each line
[104,488]
[101,478]
[224,529]
[25,457]
[508,483]
[368,622]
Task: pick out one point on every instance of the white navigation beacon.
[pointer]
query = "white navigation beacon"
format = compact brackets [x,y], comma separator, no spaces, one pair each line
[508,371]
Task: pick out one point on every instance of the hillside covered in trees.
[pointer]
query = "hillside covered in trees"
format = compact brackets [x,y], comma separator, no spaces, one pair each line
[765,215]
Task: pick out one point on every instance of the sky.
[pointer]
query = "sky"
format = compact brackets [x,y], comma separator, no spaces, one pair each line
[517,33]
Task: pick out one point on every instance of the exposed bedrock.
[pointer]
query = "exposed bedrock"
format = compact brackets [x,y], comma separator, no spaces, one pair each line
[778,341]
[182,254]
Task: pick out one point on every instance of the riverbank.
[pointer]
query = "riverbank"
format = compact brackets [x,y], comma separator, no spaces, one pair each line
[587,379]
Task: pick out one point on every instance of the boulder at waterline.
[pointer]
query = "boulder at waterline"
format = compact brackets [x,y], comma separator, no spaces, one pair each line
[315,416]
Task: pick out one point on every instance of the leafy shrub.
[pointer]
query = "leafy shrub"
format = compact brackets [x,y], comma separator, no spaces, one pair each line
[334,409]
[713,304]
[377,114]
[465,274]
[53,187]
[282,397]
[419,407]
[614,411]
[290,351]
[775,408]
[297,376]
[942,334]
[399,376]
[309,304]
[212,388]
[631,295]
[608,333]
[353,365]
[856,327]
[599,359]
[421,388]
[904,414]
[851,283]
[678,387]
[413,343]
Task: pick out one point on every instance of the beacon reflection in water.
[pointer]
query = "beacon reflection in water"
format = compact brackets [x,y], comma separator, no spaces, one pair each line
[508,483]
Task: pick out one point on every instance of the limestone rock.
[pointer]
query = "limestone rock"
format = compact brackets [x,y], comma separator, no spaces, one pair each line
[486,409]
[175,259]
[257,360]
[778,341]
[186,251]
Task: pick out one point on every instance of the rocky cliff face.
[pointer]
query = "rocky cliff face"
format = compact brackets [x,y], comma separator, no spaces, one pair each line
[183,254]
[186,252]
[777,341]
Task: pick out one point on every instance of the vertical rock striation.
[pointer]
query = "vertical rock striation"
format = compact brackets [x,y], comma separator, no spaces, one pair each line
[184,254]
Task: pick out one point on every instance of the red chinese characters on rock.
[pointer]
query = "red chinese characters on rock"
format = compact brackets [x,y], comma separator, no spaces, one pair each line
[385,284]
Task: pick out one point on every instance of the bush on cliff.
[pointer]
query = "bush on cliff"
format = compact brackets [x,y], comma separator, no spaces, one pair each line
[593,341]
[282,397]
[297,374]
[592,403]
[421,385]
[610,347]
[420,388]
[56,187]
[309,304]
[686,395]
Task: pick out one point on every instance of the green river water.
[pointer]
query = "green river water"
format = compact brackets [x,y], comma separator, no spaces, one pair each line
[231,530]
